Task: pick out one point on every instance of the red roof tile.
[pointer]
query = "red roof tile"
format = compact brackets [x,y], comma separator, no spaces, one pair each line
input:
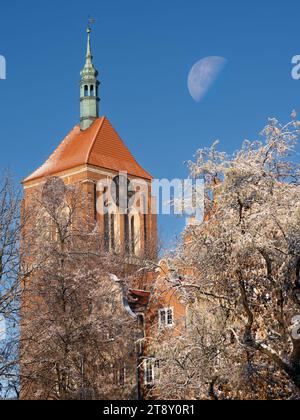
[99,145]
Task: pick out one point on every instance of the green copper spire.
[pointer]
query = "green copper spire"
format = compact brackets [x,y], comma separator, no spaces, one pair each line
[89,85]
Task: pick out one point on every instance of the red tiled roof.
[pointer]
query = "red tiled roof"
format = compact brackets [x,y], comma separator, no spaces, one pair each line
[99,145]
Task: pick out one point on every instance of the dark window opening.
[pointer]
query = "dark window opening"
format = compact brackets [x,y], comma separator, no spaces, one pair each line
[145,232]
[145,224]
[112,232]
[86,90]
[132,236]
[92,91]
[141,321]
[95,202]
[105,220]
[170,317]
[122,376]
[126,233]
[106,232]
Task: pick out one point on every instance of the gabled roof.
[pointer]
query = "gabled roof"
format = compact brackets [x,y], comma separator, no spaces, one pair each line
[99,145]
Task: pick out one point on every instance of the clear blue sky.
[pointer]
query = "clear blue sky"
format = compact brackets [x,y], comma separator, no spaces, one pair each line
[144,50]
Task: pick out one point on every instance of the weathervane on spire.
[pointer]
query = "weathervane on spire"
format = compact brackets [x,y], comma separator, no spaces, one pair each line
[91,21]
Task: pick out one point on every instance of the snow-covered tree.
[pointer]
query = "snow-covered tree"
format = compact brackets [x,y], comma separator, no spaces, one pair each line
[240,272]
[9,285]
[77,339]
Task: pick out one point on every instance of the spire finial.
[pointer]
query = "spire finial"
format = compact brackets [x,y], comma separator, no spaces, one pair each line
[91,21]
[89,49]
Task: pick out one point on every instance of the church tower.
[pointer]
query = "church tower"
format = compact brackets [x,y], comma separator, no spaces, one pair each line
[89,86]
[93,155]
[89,160]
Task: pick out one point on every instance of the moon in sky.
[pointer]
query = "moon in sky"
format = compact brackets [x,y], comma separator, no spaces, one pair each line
[203,74]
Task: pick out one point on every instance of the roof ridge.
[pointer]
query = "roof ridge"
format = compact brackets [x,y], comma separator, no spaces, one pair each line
[126,147]
[94,139]
[123,143]
[55,152]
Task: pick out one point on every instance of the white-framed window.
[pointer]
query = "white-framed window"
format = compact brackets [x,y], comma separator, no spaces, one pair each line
[166,317]
[151,371]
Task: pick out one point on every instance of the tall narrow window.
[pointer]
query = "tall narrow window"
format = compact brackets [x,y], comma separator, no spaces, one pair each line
[141,320]
[112,232]
[95,202]
[145,225]
[126,234]
[151,371]
[120,375]
[86,90]
[106,221]
[170,317]
[162,317]
[92,91]
[145,233]
[106,231]
[132,236]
